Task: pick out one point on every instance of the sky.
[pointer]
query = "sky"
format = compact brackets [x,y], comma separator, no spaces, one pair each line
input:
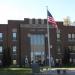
[20,9]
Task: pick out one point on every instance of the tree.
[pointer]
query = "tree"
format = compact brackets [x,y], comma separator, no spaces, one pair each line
[6,57]
[67,21]
[66,56]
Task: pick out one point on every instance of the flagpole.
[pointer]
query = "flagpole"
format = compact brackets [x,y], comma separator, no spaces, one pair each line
[49,56]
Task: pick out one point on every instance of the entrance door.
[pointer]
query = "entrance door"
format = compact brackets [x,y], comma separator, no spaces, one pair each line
[37,47]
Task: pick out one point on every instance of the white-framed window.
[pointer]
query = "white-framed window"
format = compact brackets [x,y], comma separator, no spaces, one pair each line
[1,36]
[14,62]
[14,49]
[71,37]
[14,36]
[58,35]
[1,48]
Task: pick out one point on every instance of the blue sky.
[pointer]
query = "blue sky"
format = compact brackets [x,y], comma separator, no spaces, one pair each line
[20,9]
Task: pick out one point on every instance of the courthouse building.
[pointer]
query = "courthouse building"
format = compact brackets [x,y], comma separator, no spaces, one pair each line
[28,38]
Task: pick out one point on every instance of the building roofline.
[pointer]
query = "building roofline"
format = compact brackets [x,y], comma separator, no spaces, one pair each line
[3,24]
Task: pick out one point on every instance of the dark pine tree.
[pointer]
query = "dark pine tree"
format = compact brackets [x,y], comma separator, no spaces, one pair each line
[6,57]
[66,56]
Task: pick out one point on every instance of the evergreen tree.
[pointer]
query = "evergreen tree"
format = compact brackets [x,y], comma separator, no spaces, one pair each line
[66,56]
[6,60]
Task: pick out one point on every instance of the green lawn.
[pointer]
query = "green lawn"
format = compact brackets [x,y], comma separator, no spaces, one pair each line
[24,71]
[15,71]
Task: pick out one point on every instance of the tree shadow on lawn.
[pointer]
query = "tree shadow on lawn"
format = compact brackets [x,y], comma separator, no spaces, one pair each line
[15,72]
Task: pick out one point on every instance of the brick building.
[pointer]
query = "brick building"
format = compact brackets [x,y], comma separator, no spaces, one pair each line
[28,38]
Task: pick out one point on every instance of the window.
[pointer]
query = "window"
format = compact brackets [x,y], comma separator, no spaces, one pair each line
[72,48]
[14,36]
[1,49]
[14,62]
[33,21]
[71,37]
[39,21]
[45,21]
[14,49]
[1,36]
[26,20]
[58,35]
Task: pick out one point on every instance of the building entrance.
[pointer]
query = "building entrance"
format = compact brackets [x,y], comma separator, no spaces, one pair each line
[37,48]
[37,56]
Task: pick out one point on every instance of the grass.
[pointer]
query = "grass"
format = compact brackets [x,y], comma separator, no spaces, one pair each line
[25,71]
[15,71]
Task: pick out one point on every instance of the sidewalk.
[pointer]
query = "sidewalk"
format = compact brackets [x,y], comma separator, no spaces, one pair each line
[46,69]
[53,71]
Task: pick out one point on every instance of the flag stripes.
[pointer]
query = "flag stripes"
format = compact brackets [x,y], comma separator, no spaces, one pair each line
[51,20]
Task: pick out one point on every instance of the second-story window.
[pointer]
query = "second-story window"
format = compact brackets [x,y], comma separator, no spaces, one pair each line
[1,36]
[14,36]
[71,37]
[58,35]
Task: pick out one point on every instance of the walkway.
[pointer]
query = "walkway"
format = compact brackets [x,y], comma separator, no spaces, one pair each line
[69,71]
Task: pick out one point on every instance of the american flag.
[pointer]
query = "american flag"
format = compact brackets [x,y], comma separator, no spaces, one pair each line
[51,20]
